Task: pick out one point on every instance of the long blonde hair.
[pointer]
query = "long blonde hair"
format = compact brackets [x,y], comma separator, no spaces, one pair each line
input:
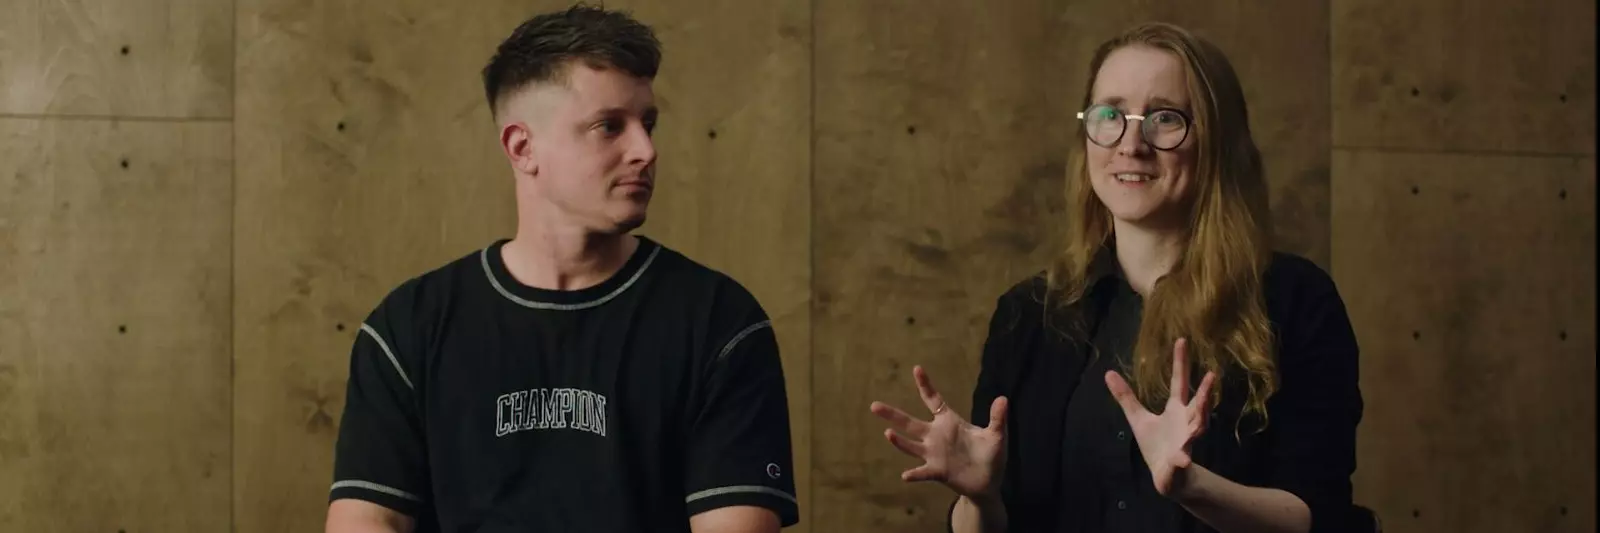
[1213,296]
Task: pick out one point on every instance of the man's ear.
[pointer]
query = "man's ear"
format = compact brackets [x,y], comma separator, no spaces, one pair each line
[516,140]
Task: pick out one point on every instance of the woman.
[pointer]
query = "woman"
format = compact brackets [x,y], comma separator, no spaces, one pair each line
[1167,265]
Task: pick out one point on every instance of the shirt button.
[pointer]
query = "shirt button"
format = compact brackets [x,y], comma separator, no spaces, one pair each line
[1122,504]
[1122,435]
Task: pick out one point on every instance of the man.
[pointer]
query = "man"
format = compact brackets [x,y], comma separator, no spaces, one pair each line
[575,377]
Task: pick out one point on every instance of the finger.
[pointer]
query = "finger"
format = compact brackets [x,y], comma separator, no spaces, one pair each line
[930,396]
[1202,395]
[921,473]
[997,415]
[1180,372]
[908,446]
[900,420]
[1124,395]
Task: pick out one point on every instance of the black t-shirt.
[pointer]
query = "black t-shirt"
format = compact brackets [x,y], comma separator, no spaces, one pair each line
[477,403]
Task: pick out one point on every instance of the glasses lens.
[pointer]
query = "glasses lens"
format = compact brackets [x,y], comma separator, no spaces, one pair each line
[1165,129]
[1104,124]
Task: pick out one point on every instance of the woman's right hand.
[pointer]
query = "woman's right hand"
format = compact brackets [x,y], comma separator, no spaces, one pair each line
[967,458]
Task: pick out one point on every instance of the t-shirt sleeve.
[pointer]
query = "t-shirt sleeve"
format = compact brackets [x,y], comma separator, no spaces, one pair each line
[739,450]
[379,456]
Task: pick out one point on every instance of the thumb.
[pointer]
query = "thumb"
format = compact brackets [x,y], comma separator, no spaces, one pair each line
[997,415]
[919,474]
[1123,394]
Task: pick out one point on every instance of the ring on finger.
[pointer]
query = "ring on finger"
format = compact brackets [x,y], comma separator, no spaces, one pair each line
[941,408]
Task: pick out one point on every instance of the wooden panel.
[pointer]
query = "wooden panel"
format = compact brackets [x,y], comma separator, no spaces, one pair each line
[145,58]
[114,324]
[937,161]
[1470,280]
[734,177]
[939,167]
[1465,76]
[367,157]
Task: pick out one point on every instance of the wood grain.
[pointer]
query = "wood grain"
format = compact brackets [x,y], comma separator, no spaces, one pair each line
[366,156]
[1470,281]
[141,58]
[938,164]
[1479,75]
[114,326]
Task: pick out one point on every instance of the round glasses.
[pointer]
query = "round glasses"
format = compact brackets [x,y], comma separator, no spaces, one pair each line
[1164,128]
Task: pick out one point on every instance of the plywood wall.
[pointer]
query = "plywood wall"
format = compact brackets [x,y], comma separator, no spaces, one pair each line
[362,161]
[134,59]
[200,200]
[114,323]
[1464,244]
[116,195]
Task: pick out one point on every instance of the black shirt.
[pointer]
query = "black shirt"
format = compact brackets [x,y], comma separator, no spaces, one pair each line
[477,403]
[1072,462]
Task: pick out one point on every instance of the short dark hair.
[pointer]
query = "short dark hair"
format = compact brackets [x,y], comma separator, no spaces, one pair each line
[543,47]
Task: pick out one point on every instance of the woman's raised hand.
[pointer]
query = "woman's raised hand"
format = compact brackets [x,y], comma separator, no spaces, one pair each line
[1165,439]
[967,458]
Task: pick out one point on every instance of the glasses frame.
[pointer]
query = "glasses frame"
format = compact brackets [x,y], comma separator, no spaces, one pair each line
[1188,125]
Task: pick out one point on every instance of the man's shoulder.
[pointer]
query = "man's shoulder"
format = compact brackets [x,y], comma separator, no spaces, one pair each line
[698,284]
[427,292]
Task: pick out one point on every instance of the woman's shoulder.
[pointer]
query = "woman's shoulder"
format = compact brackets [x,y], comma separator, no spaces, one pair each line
[1025,297]
[1292,281]
[1293,266]
[1305,307]
[1026,315]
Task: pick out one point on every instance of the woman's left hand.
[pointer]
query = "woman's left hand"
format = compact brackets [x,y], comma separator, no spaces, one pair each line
[1165,439]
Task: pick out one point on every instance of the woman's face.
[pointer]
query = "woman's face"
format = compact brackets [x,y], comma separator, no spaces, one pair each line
[1144,173]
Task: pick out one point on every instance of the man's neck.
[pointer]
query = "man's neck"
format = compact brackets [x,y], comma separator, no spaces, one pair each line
[571,259]
[1145,254]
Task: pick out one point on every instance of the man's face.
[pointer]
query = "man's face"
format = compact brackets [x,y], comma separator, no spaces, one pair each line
[588,148]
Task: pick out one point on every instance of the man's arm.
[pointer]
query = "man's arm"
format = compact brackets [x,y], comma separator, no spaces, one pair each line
[358,516]
[736,519]
[738,458]
[380,474]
